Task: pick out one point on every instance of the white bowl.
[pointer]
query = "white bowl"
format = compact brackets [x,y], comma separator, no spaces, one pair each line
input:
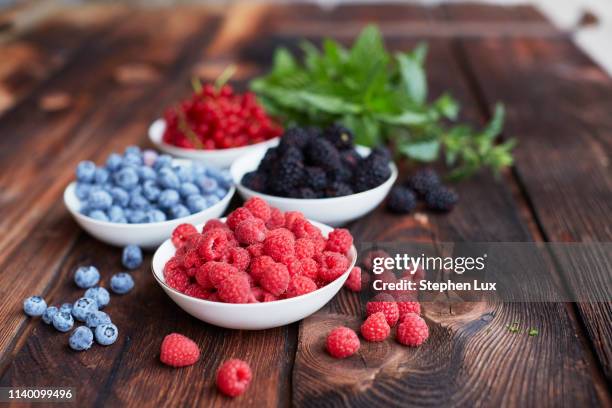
[146,235]
[222,158]
[249,316]
[333,211]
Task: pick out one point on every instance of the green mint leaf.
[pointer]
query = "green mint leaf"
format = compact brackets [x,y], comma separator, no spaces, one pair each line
[496,124]
[405,118]
[284,63]
[447,106]
[413,77]
[329,104]
[426,150]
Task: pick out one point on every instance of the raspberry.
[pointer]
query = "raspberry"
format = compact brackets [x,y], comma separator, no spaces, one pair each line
[279,243]
[181,232]
[237,216]
[251,231]
[175,277]
[310,268]
[353,282]
[342,342]
[412,331]
[304,248]
[405,304]
[302,228]
[235,288]
[213,245]
[387,307]
[375,328]
[259,265]
[191,259]
[196,291]
[261,295]
[239,258]
[319,245]
[178,351]
[275,278]
[339,240]
[259,208]
[276,220]
[214,223]
[294,266]
[217,272]
[332,265]
[368,260]
[234,377]
[300,285]
[201,275]
[255,250]
[291,217]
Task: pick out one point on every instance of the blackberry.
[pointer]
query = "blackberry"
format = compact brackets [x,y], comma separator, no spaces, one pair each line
[338,189]
[339,136]
[294,137]
[371,173]
[441,199]
[255,180]
[267,162]
[401,200]
[320,152]
[341,173]
[315,178]
[382,151]
[350,158]
[423,181]
[303,192]
[288,173]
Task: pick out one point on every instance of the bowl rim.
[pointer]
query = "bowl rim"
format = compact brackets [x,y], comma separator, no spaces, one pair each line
[158,141]
[352,254]
[70,191]
[392,178]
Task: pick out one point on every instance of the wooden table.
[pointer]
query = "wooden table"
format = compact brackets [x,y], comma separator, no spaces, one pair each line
[83,82]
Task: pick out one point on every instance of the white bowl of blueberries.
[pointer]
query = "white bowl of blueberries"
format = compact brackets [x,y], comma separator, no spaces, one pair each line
[139,197]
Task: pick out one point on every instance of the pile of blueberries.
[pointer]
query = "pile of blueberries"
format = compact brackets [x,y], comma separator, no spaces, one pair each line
[142,187]
[88,309]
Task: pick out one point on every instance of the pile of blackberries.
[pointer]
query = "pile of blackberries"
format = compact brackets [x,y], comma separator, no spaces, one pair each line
[315,163]
[424,184]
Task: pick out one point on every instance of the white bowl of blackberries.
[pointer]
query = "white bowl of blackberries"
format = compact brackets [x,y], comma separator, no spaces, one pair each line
[320,172]
[424,185]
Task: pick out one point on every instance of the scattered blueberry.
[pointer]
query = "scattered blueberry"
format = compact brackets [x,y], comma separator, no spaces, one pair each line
[99,294]
[131,257]
[86,276]
[63,321]
[51,311]
[81,338]
[34,306]
[66,307]
[121,283]
[94,319]
[83,307]
[106,334]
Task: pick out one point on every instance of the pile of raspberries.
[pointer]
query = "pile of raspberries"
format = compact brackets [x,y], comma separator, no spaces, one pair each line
[258,255]
[315,163]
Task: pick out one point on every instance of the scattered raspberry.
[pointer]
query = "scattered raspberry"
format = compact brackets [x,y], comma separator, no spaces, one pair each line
[259,265]
[412,331]
[375,328]
[406,304]
[181,232]
[235,288]
[353,282]
[294,266]
[259,208]
[279,243]
[175,277]
[385,305]
[310,268]
[300,285]
[196,291]
[234,377]
[291,217]
[276,220]
[214,223]
[332,265]
[275,278]
[251,231]
[342,342]
[178,351]
[239,258]
[304,248]
[255,250]
[237,216]
[339,240]
[214,245]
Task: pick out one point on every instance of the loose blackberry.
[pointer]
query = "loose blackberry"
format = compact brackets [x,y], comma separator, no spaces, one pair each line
[441,199]
[401,200]
[320,152]
[373,171]
[423,181]
[255,180]
[338,189]
[315,178]
[294,137]
[339,136]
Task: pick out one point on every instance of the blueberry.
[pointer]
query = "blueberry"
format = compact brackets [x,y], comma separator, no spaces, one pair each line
[85,171]
[168,178]
[98,215]
[132,160]
[81,338]
[83,307]
[63,321]
[208,185]
[121,283]
[99,200]
[120,196]
[184,174]
[34,306]
[86,276]
[196,203]
[222,177]
[138,202]
[150,191]
[99,294]
[212,200]
[154,215]
[220,192]
[94,319]
[106,334]
[146,173]
[198,170]
[101,175]
[179,211]
[163,160]
[131,257]
[66,307]
[136,216]
[188,189]
[149,157]
[116,214]
[126,178]
[82,190]
[168,198]
[113,161]
[51,311]
[132,150]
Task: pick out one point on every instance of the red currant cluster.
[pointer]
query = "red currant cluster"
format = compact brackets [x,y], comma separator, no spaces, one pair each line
[218,119]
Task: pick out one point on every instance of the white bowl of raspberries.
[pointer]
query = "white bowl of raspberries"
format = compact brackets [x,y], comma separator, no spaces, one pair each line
[257,269]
